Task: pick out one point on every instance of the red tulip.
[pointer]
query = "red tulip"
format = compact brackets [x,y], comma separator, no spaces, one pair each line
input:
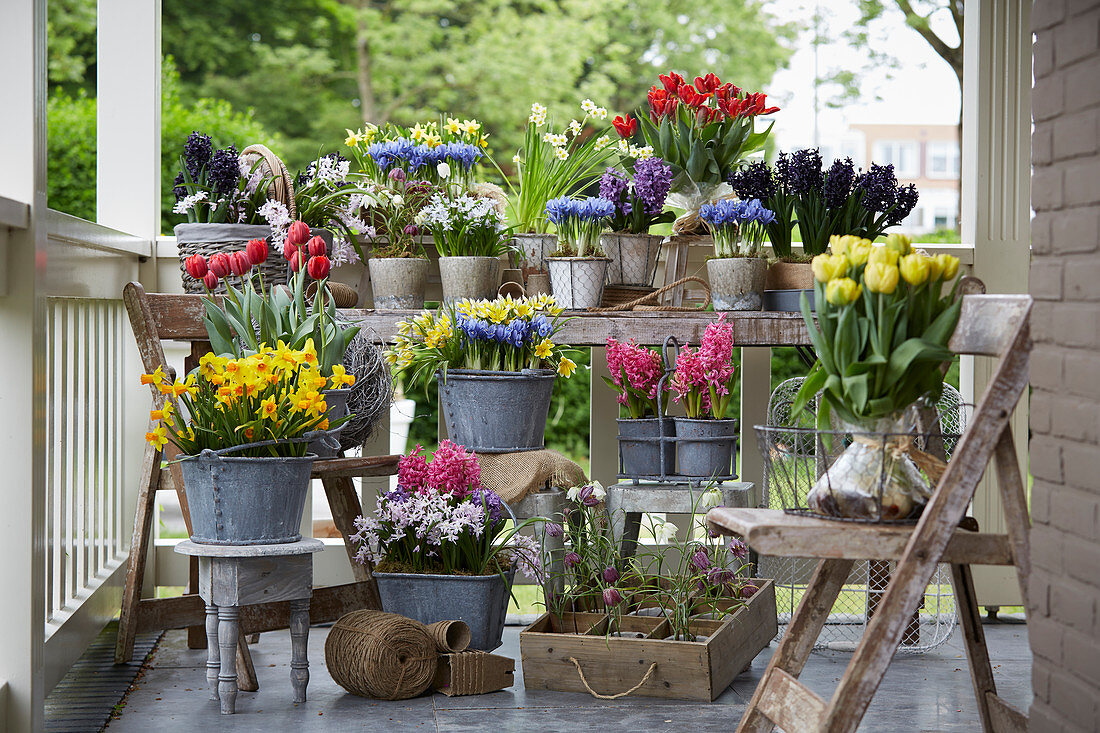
[239,263]
[298,233]
[219,264]
[318,267]
[257,251]
[210,280]
[317,247]
[690,97]
[671,81]
[295,260]
[289,249]
[707,83]
[195,266]
[625,127]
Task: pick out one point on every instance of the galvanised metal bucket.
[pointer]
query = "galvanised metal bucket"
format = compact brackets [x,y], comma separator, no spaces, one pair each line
[329,445]
[643,457]
[705,448]
[479,600]
[496,412]
[245,501]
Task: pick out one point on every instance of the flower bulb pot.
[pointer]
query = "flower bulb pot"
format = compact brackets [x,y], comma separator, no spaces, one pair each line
[245,501]
[737,283]
[476,278]
[704,447]
[641,450]
[789,276]
[398,283]
[496,412]
[209,239]
[633,258]
[577,282]
[535,249]
[479,600]
[337,401]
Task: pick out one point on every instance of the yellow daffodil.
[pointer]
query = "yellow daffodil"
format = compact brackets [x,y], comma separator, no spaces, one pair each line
[471,127]
[158,436]
[453,126]
[842,291]
[269,408]
[881,278]
[829,267]
[883,256]
[900,243]
[340,377]
[914,269]
[308,355]
[164,414]
[949,264]
[544,348]
[566,367]
[155,378]
[352,139]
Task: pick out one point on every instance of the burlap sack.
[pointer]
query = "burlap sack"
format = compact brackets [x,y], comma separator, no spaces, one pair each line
[515,475]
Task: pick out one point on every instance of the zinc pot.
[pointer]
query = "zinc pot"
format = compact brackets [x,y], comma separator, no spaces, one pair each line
[479,600]
[577,282]
[337,401]
[642,457]
[705,448]
[535,248]
[209,239]
[496,412]
[789,276]
[633,257]
[737,283]
[787,300]
[398,282]
[476,278]
[245,501]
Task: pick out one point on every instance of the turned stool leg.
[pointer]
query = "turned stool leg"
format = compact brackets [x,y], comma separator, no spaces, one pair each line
[213,664]
[299,640]
[228,632]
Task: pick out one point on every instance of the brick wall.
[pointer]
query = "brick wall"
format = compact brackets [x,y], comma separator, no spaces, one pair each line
[1065,371]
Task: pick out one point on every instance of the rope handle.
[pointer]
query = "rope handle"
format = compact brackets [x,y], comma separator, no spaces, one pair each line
[653,297]
[635,688]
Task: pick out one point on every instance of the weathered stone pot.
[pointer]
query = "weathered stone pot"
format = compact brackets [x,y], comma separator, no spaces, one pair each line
[640,449]
[577,282]
[475,278]
[496,412]
[737,283]
[633,257]
[245,501]
[789,276]
[398,282]
[705,448]
[479,600]
[535,248]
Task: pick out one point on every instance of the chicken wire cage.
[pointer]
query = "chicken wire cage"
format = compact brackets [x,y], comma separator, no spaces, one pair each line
[935,619]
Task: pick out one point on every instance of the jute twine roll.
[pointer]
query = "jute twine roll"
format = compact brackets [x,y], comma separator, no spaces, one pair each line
[450,637]
[343,295]
[381,655]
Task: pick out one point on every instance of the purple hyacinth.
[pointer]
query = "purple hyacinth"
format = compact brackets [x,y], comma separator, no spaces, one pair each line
[225,170]
[878,187]
[614,186]
[782,172]
[494,505]
[652,181]
[907,199]
[838,183]
[753,181]
[805,171]
[196,153]
[177,186]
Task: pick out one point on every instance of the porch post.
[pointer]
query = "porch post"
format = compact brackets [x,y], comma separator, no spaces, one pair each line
[22,307]
[995,213]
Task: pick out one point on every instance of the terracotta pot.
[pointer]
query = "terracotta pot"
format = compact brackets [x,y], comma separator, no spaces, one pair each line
[789,276]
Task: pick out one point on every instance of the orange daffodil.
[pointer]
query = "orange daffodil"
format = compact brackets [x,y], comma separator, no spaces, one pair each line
[273,394]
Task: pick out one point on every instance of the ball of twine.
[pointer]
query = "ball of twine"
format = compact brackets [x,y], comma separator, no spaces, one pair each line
[372,393]
[381,655]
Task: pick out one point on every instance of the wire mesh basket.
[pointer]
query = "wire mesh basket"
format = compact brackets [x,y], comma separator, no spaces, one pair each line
[935,619]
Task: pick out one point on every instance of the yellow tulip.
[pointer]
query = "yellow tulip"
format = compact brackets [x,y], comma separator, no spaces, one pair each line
[915,269]
[950,265]
[900,243]
[841,244]
[935,269]
[829,267]
[859,251]
[842,291]
[882,256]
[881,278]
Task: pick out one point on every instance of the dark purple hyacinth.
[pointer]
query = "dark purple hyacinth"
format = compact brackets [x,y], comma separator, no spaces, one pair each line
[838,183]
[225,170]
[613,187]
[782,172]
[805,172]
[494,505]
[177,186]
[753,181]
[652,180]
[878,188]
[907,199]
[197,152]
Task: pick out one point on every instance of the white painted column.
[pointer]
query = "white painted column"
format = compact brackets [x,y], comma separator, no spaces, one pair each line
[603,431]
[756,390]
[22,394]
[996,210]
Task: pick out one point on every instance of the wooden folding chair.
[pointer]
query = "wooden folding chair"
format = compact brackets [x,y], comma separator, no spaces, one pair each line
[990,325]
[156,318]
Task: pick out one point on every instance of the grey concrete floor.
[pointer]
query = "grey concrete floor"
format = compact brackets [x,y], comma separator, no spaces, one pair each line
[929,692]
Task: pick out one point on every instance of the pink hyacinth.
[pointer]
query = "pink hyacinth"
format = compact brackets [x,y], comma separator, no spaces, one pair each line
[641,367]
[412,470]
[453,470]
[709,369]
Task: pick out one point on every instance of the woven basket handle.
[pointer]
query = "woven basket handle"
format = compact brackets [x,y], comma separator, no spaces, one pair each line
[635,688]
[654,298]
[281,187]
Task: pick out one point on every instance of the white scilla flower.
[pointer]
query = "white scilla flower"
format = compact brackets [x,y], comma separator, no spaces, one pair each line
[188,202]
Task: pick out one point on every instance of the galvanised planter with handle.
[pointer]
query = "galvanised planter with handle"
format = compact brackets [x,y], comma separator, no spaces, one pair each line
[496,412]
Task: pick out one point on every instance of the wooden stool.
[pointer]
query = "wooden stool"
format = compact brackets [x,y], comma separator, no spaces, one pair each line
[231,576]
[627,501]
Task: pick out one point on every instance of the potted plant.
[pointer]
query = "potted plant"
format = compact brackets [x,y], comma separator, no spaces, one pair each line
[578,268]
[442,153]
[636,376]
[884,319]
[442,546]
[703,131]
[242,425]
[551,165]
[737,270]
[757,180]
[495,364]
[639,204]
[703,383]
[470,237]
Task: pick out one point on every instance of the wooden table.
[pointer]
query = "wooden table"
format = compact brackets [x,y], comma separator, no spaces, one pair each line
[231,576]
